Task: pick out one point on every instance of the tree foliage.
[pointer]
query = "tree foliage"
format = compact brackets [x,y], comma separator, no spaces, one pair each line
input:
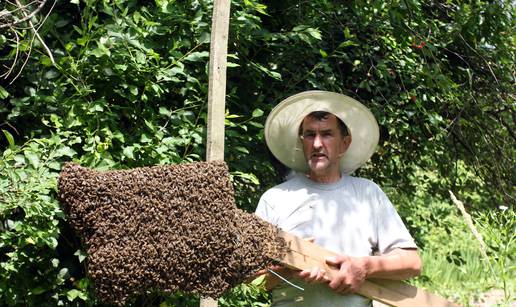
[123,83]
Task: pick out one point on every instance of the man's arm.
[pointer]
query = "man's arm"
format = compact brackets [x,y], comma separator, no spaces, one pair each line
[397,265]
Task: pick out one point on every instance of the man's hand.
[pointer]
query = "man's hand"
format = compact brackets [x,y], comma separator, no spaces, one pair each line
[351,275]
[313,276]
[397,264]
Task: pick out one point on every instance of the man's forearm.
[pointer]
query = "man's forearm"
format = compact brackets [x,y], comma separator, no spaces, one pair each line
[397,265]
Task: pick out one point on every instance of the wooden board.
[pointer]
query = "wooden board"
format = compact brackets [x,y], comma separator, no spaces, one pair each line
[304,255]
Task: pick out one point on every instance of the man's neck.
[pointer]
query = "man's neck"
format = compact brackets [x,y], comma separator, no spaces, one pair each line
[324,178]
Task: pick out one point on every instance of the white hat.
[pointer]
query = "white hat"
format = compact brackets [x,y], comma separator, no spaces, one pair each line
[282,128]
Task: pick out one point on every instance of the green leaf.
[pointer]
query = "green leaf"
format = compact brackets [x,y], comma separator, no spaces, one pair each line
[55,262]
[258,281]
[81,255]
[63,273]
[205,38]
[119,136]
[164,111]
[3,93]
[66,151]
[257,113]
[38,290]
[140,57]
[46,61]
[56,120]
[97,107]
[10,139]
[121,67]
[300,28]
[74,293]
[133,89]
[150,125]
[81,41]
[247,176]
[32,158]
[315,33]
[242,149]
[347,44]
[270,73]
[255,124]
[51,74]
[129,152]
[20,160]
[231,64]
[197,56]
[145,138]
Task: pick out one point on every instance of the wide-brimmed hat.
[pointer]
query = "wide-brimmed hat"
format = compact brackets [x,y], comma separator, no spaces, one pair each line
[282,128]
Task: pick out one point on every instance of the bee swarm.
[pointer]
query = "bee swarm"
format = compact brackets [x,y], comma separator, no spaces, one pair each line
[165,228]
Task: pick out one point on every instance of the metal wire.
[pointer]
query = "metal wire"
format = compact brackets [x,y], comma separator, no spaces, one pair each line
[285,280]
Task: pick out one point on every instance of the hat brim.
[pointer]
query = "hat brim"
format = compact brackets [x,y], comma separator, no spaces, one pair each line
[282,128]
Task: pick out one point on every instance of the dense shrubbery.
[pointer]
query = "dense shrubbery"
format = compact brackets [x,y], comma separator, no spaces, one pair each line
[129,88]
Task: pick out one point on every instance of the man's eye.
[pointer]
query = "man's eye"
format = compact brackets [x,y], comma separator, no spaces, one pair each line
[308,135]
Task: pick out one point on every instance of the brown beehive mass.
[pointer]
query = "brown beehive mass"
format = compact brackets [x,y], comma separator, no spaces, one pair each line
[164,228]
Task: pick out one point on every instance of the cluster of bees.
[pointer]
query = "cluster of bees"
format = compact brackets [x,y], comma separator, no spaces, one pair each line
[164,228]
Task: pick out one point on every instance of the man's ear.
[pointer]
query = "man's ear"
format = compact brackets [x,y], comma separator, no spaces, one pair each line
[346,141]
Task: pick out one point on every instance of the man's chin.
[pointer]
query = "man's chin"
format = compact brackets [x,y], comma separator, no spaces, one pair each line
[318,167]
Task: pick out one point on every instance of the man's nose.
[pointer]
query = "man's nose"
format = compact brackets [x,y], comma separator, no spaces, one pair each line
[317,141]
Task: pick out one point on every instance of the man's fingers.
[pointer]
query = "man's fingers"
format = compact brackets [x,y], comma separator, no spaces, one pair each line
[339,284]
[314,275]
[336,260]
[303,274]
[336,282]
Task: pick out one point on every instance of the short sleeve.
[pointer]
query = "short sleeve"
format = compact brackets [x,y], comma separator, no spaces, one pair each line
[391,230]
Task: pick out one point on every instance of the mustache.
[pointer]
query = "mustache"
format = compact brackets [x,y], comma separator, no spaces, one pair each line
[318,153]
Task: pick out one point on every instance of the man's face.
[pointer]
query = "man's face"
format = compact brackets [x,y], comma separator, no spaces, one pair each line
[323,144]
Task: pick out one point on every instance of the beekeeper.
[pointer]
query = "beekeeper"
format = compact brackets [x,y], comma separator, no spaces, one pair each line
[323,137]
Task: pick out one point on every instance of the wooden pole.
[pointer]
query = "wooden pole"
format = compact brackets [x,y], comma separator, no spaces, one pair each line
[217,91]
[217,80]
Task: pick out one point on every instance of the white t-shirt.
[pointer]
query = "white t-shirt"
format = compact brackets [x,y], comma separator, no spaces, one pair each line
[352,217]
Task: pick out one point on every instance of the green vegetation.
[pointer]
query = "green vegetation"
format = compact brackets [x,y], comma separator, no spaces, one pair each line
[123,83]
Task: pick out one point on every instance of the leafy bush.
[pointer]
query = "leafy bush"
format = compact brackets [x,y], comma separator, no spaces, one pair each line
[129,88]
[33,270]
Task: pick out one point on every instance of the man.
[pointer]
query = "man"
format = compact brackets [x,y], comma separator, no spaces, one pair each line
[324,137]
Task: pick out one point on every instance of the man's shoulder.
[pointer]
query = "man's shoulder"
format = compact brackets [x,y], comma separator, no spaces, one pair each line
[363,184]
[362,180]
[292,184]
[273,197]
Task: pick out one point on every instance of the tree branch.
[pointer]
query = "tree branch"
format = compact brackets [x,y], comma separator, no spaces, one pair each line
[22,9]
